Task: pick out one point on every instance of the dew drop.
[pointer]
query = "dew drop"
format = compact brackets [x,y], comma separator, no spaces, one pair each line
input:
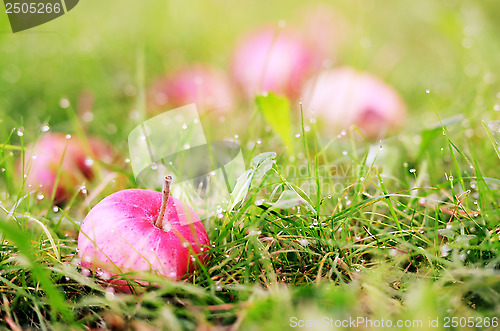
[88,116]
[45,128]
[64,103]
[89,161]
[20,132]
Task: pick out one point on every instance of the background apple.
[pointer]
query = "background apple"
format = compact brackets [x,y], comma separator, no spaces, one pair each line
[138,230]
[273,60]
[206,86]
[75,158]
[345,97]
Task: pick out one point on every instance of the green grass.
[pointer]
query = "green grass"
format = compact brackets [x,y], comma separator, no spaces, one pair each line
[403,229]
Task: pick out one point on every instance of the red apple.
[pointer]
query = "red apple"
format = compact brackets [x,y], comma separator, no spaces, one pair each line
[138,230]
[43,160]
[343,97]
[276,61]
[205,86]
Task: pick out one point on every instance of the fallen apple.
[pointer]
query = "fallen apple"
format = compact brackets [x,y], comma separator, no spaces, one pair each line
[70,158]
[343,97]
[205,86]
[139,230]
[275,61]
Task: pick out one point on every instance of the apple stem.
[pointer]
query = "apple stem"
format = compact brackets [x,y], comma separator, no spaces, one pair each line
[166,194]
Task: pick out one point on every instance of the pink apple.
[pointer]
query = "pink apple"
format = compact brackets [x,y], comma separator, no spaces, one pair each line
[205,86]
[273,60]
[43,161]
[140,230]
[343,97]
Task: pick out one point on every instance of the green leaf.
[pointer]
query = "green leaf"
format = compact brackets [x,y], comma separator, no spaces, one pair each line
[261,159]
[262,163]
[276,111]
[241,188]
[288,199]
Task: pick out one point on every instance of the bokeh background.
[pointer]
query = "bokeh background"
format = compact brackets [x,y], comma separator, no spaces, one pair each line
[102,47]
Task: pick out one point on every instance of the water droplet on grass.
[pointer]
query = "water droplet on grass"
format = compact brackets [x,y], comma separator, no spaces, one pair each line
[45,128]
[89,161]
[64,103]
[20,132]
[303,242]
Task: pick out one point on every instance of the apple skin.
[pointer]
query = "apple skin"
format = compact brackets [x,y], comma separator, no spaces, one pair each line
[343,97]
[42,163]
[275,61]
[207,87]
[118,235]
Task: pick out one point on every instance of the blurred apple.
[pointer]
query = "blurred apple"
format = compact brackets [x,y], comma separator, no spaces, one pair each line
[205,86]
[273,60]
[343,97]
[43,161]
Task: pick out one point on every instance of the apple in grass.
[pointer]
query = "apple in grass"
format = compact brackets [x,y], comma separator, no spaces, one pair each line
[70,158]
[344,97]
[139,230]
[273,60]
[206,86]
